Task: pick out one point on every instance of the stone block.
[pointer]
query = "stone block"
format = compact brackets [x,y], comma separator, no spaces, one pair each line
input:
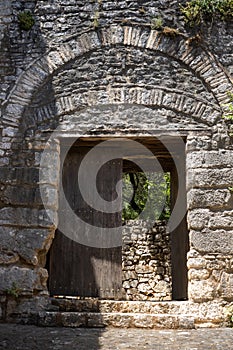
[29,244]
[163,288]
[196,263]
[195,143]
[216,264]
[33,244]
[27,305]
[49,319]
[22,280]
[225,287]
[129,275]
[4,161]
[9,132]
[112,35]
[8,257]
[199,274]
[19,175]
[201,291]
[221,220]
[50,158]
[214,198]
[198,218]
[49,175]
[19,195]
[71,320]
[143,269]
[217,241]
[209,178]
[210,159]
[27,217]
[49,196]
[144,288]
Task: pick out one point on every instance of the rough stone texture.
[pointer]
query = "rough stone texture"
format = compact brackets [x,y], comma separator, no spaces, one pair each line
[115,77]
[122,339]
[23,280]
[27,217]
[210,275]
[209,218]
[206,198]
[31,245]
[100,313]
[146,260]
[121,320]
[140,314]
[219,241]
[225,285]
[210,178]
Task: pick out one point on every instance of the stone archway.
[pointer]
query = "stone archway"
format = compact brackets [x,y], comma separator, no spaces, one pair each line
[202,62]
[200,146]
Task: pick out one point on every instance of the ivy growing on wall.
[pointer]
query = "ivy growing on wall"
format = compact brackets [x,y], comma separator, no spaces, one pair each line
[199,11]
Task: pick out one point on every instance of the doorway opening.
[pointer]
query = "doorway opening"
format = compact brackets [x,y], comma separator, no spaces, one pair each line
[146,248]
[151,264]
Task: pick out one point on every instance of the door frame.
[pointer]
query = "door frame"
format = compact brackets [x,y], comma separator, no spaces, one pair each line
[179,293]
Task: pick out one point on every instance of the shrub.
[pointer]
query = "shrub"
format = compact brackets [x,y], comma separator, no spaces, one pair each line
[198,11]
[26,20]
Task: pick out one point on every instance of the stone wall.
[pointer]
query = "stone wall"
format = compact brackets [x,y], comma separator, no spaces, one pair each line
[146,256]
[115,77]
[209,169]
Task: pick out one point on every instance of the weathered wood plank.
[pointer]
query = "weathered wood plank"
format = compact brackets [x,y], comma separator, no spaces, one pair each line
[76,269]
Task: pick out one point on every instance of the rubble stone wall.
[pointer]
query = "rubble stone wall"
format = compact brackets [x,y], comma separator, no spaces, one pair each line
[146,261]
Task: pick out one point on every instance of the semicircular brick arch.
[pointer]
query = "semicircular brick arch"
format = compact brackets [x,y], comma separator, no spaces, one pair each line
[203,64]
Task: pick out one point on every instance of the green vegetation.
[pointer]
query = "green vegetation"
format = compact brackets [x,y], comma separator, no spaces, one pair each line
[199,11]
[96,19]
[13,291]
[96,15]
[138,191]
[228,108]
[229,314]
[26,20]
[156,23]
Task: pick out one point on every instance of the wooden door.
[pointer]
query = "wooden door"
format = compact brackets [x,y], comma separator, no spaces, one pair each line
[80,270]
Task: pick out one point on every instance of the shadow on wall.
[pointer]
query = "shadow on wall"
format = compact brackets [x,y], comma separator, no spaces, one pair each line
[26,231]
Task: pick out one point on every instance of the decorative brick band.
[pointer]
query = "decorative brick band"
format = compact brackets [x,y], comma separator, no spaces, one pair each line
[203,64]
[170,99]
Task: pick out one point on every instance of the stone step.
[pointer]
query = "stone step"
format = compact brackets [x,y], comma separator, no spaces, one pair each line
[108,306]
[115,319]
